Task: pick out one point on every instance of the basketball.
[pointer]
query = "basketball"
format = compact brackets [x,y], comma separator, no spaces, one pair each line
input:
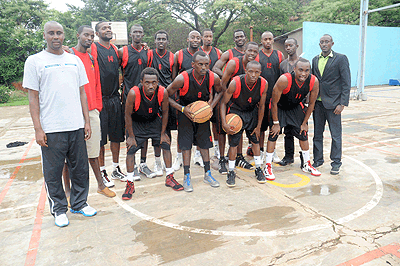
[235,122]
[201,111]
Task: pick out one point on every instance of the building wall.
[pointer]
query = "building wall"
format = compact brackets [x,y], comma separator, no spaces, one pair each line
[382,52]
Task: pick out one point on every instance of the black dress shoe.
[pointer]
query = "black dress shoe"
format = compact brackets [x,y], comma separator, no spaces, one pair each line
[285,161]
[317,164]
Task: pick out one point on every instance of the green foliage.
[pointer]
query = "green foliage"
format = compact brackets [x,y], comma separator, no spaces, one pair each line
[4,94]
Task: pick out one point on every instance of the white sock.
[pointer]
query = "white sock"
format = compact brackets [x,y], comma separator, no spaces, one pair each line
[257,161]
[197,153]
[115,165]
[306,156]
[129,176]
[179,155]
[158,160]
[169,171]
[216,143]
[231,165]
[268,157]
[102,168]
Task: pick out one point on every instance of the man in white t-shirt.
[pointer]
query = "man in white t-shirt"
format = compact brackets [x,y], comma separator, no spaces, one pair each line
[59,110]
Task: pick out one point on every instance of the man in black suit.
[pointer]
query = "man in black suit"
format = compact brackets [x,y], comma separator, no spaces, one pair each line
[333,72]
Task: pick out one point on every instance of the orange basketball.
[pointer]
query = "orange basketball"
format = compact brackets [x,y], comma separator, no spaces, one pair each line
[201,111]
[235,122]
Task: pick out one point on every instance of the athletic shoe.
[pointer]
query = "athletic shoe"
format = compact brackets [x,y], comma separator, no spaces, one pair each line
[222,166]
[241,162]
[286,161]
[308,168]
[317,164]
[61,220]
[187,184]
[158,169]
[129,190]
[198,160]
[275,158]
[230,180]
[106,181]
[171,182]
[249,151]
[146,171]
[209,179]
[269,175]
[136,175]
[86,211]
[260,175]
[106,192]
[178,163]
[216,151]
[117,174]
[335,170]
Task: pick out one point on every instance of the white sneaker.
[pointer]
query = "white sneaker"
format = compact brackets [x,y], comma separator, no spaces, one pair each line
[61,220]
[308,168]
[275,158]
[86,211]
[136,175]
[269,175]
[197,159]
[178,163]
[144,169]
[216,151]
[106,181]
[158,169]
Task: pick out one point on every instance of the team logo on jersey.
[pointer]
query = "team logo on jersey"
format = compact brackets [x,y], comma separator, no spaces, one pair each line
[139,61]
[110,58]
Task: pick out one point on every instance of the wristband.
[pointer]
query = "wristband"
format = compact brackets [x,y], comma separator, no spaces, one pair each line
[276,122]
[183,107]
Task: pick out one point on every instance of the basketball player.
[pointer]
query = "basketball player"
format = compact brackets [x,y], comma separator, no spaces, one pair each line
[286,109]
[143,122]
[245,97]
[193,85]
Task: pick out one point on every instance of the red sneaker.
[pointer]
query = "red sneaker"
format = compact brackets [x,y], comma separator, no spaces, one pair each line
[171,182]
[129,190]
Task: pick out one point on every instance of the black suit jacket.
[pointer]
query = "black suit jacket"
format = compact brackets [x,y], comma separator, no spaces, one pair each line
[335,83]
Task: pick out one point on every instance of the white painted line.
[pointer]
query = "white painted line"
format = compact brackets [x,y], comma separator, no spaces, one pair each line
[369,206]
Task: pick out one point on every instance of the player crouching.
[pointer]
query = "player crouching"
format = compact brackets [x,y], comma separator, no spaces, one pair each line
[287,109]
[144,121]
[245,97]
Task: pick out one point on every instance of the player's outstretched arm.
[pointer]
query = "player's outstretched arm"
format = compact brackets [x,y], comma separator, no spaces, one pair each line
[225,99]
[130,103]
[165,109]
[280,85]
[220,64]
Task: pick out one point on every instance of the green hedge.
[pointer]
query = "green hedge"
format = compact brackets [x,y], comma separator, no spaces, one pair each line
[4,94]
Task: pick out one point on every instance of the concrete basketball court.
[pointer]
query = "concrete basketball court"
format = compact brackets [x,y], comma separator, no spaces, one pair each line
[349,219]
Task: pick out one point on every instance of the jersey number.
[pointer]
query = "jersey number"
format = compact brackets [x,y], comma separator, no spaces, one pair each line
[269,65]
[249,100]
[150,110]
[199,95]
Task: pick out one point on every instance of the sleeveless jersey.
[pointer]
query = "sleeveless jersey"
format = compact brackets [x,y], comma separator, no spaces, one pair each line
[147,109]
[133,63]
[294,93]
[185,59]
[240,67]
[163,64]
[234,53]
[270,67]
[108,61]
[214,55]
[195,90]
[244,98]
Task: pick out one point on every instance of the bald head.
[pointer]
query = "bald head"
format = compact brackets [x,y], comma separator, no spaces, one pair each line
[52,23]
[54,36]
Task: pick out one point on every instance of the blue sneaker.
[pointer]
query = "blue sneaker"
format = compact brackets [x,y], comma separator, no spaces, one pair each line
[61,220]
[187,183]
[86,211]
[209,179]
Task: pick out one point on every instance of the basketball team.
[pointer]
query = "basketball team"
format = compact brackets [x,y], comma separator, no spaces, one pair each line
[204,94]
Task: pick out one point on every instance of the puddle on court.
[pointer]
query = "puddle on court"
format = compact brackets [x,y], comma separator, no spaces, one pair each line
[319,190]
[85,249]
[392,159]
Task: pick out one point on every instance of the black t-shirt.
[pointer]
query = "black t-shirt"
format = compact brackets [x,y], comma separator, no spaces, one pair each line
[147,109]
[214,55]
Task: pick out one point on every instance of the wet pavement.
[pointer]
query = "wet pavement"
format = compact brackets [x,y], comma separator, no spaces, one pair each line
[348,219]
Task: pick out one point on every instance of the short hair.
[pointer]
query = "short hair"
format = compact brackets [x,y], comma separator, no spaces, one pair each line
[80,29]
[148,71]
[97,27]
[136,25]
[206,30]
[193,32]
[239,30]
[161,32]
[52,22]
[198,53]
[247,44]
[291,39]
[254,62]
[303,60]
[328,36]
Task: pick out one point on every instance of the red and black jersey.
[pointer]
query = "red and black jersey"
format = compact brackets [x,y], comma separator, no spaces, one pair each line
[163,64]
[147,109]
[214,55]
[244,98]
[108,61]
[185,59]
[196,90]
[294,93]
[270,67]
[133,63]
[234,53]
[240,67]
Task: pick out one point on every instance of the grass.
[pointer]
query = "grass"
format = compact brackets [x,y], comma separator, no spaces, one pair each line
[17,98]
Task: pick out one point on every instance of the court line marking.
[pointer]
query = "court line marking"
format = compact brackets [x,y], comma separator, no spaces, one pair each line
[366,208]
[304,181]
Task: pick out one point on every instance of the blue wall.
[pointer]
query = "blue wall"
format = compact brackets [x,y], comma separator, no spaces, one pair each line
[382,52]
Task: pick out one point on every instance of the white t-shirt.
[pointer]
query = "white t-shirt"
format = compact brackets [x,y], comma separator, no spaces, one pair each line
[57,78]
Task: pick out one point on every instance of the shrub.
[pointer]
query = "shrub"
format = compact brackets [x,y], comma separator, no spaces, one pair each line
[4,94]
